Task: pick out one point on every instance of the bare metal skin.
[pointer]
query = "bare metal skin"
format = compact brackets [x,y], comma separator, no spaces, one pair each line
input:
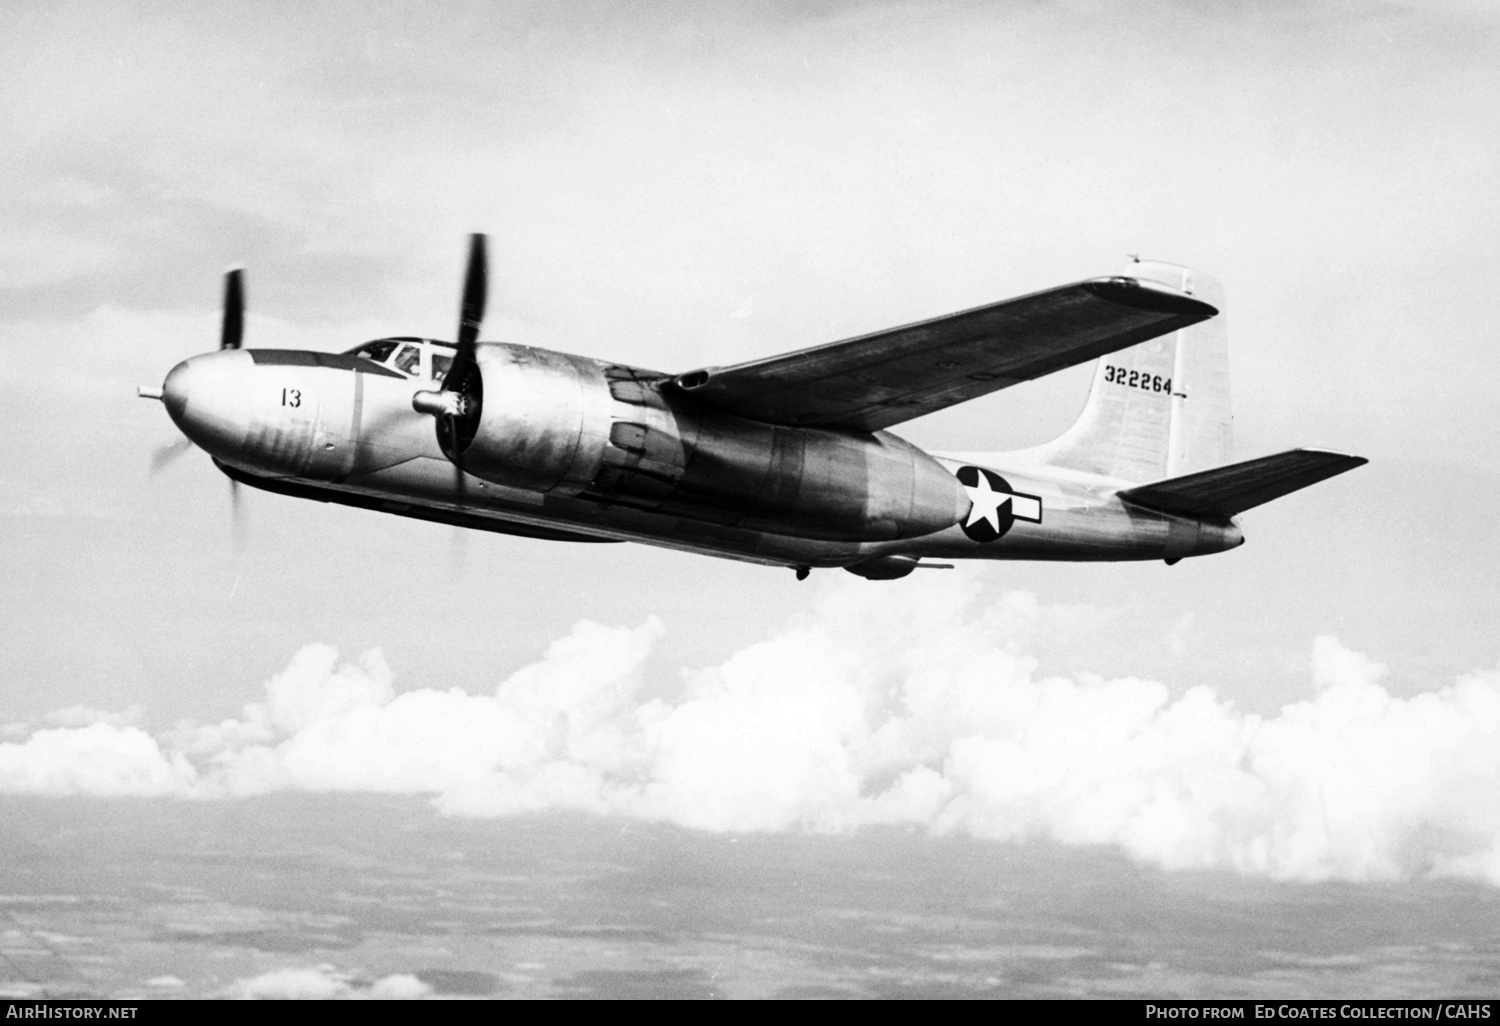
[782,462]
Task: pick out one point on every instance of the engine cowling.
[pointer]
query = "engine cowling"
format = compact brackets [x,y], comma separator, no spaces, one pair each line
[536,419]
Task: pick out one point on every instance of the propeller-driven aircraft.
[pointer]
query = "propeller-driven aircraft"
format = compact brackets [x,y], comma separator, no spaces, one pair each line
[785,461]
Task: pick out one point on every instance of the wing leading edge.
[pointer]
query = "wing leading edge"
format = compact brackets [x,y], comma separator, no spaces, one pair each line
[881,379]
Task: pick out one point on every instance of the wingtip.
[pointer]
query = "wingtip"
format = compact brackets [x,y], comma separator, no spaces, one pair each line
[1144,294]
[1334,456]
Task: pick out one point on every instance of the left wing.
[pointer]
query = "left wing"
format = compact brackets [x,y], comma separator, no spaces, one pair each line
[877,380]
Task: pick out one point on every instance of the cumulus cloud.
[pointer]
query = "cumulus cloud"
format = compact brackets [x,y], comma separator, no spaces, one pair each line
[99,759]
[917,706]
[325,982]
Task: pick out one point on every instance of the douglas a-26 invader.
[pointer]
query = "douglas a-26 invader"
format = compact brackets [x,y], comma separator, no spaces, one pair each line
[785,461]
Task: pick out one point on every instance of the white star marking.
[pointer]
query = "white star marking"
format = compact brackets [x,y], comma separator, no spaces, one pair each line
[988,503]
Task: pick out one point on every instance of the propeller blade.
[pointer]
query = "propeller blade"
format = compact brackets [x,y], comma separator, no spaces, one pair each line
[459,484]
[233,332]
[470,319]
[236,516]
[168,454]
[476,289]
[458,550]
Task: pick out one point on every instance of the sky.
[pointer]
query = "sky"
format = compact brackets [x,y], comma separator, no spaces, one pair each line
[678,185]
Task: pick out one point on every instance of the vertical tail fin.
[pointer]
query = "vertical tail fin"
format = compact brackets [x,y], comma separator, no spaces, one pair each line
[1159,409]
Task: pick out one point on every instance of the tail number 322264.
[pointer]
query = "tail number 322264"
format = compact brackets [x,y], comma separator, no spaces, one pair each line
[1136,379]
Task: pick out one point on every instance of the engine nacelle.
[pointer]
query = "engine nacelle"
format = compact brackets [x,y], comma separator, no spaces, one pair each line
[542,419]
[601,433]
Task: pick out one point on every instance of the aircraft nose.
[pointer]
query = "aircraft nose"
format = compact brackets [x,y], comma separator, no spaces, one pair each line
[174,391]
[204,395]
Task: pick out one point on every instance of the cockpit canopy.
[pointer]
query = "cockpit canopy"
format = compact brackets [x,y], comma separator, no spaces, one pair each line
[426,358]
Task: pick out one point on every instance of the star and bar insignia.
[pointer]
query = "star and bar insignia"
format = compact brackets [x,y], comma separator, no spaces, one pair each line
[994,506]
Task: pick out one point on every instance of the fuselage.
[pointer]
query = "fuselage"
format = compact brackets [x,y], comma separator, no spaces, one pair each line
[570,447]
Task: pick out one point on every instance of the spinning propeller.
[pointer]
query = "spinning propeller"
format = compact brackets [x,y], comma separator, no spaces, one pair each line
[231,336]
[457,404]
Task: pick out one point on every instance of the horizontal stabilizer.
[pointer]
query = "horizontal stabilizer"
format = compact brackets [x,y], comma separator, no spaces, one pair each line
[1225,491]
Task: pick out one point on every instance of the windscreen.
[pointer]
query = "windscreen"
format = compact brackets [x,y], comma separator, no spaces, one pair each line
[379,351]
